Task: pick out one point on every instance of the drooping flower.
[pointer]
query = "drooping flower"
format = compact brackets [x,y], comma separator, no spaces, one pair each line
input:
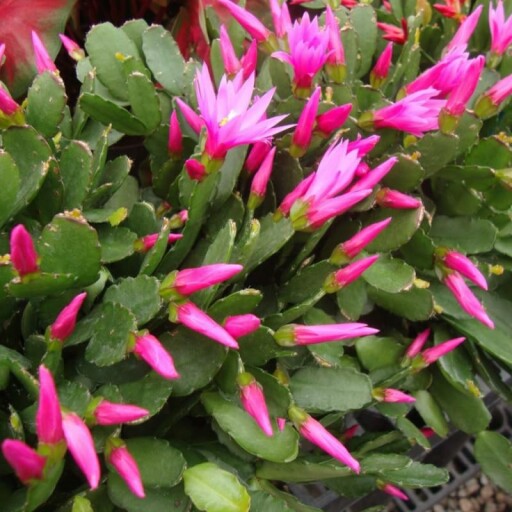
[501,29]
[332,120]
[81,446]
[253,401]
[308,53]
[380,71]
[26,462]
[110,413]
[260,180]
[48,415]
[248,21]
[149,348]
[317,434]
[241,325]
[23,252]
[337,280]
[415,347]
[388,198]
[432,354]
[73,49]
[303,133]
[64,324]
[295,334]
[175,140]
[124,463]
[393,33]
[462,264]
[465,31]
[43,60]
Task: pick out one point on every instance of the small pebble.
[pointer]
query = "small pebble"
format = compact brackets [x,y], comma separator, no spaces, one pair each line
[438,508]
[465,505]
[486,492]
[491,507]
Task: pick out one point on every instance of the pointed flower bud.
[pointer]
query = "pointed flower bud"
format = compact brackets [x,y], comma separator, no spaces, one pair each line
[147,242]
[393,33]
[295,334]
[394,491]
[465,31]
[43,60]
[415,347]
[432,354]
[249,60]
[7,105]
[2,53]
[175,141]
[194,121]
[178,220]
[195,169]
[256,155]
[350,432]
[81,447]
[281,18]
[231,63]
[281,423]
[124,463]
[304,130]
[74,51]
[371,178]
[197,320]
[351,248]
[248,21]
[48,416]
[253,401]
[462,264]
[335,66]
[23,253]
[110,413]
[501,30]
[380,71]
[26,462]
[65,322]
[427,432]
[332,120]
[392,396]
[148,348]
[317,434]
[363,145]
[241,325]
[388,198]
[260,180]
[337,280]
[487,105]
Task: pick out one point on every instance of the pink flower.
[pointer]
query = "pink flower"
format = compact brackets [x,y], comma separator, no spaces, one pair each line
[231,63]
[48,416]
[465,31]
[417,113]
[192,317]
[380,71]
[295,195]
[317,434]
[241,325]
[7,105]
[336,58]
[81,447]
[281,423]
[229,118]
[256,155]
[295,334]
[147,242]
[260,180]
[308,53]
[464,296]
[388,198]
[304,130]
[463,265]
[43,60]
[500,91]
[248,21]
[2,52]
[393,396]
[65,322]
[249,60]
[194,121]
[450,10]
[394,491]
[191,280]
[363,146]
[175,141]
[372,178]
[74,51]
[501,30]
[26,462]
[148,348]
[253,401]
[281,18]
[23,253]
[434,353]
[109,413]
[415,347]
[393,33]
[332,120]
[195,169]
[347,275]
[125,465]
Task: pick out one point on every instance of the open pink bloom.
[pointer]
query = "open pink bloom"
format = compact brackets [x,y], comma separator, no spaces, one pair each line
[415,347]
[432,354]
[124,463]
[26,462]
[388,198]
[461,94]
[194,121]
[304,130]
[308,52]
[469,303]
[336,55]
[191,280]
[23,252]
[248,21]
[501,29]
[393,33]
[465,31]
[317,434]
[348,274]
[81,447]
[256,155]
[295,334]
[65,322]
[332,120]
[253,401]
[110,413]
[380,71]
[74,51]
[394,491]
[281,18]
[462,264]
[241,325]
[260,180]
[197,320]
[231,62]
[7,105]
[48,416]
[396,396]
[417,113]
[229,118]
[149,241]
[43,60]
[148,348]
[175,141]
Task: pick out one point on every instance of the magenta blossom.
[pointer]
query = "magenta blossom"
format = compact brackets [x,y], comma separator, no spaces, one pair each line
[110,413]
[124,463]
[74,51]
[260,180]
[48,415]
[256,155]
[465,31]
[7,105]
[281,18]
[388,198]
[149,348]
[295,334]
[432,354]
[488,104]
[332,120]
[248,21]
[391,395]
[26,462]
[462,264]
[501,29]
[380,71]
[147,242]
[65,322]
[43,60]
[341,278]
[241,325]
[372,177]
[394,491]
[253,401]
[335,65]
[23,252]
[175,140]
[231,62]
[303,133]
[415,347]
[195,169]
[194,121]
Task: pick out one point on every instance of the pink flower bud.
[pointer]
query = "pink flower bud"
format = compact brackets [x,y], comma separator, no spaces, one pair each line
[249,61]
[26,462]
[350,273]
[281,18]
[295,194]
[148,348]
[281,423]
[260,180]
[388,198]
[175,141]
[81,447]
[191,280]
[231,63]
[256,155]
[241,325]
[463,265]
[109,413]
[48,416]
[370,179]
[465,31]
[195,169]
[23,253]
[248,21]
[295,334]
[363,145]
[43,60]
[65,322]
[427,432]
[147,242]
[74,51]
[7,105]
[380,71]
[501,29]
[500,91]
[350,432]
[253,401]
[332,120]
[393,33]
[434,353]
[195,122]
[415,347]
[393,396]
[394,491]
[125,465]
[304,129]
[337,53]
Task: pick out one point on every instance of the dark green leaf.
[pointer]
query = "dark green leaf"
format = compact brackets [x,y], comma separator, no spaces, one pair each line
[494,453]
